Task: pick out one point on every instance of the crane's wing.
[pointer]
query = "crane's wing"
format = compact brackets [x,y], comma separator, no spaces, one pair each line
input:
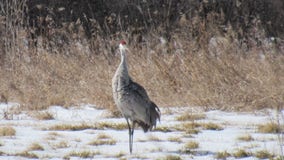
[152,112]
[139,90]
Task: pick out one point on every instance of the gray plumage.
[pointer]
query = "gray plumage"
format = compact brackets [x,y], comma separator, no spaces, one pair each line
[132,99]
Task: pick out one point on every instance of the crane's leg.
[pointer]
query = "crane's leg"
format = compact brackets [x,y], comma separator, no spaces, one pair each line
[130,136]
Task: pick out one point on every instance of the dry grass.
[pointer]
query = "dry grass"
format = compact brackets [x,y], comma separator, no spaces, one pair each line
[42,115]
[53,136]
[154,138]
[229,76]
[103,136]
[246,138]
[189,146]
[36,147]
[163,129]
[111,125]
[83,126]
[270,128]
[222,155]
[241,153]
[103,139]
[7,131]
[279,157]
[192,131]
[69,127]
[190,117]
[263,154]
[99,142]
[212,126]
[175,139]
[189,127]
[228,83]
[81,154]
[27,155]
[171,157]
[120,154]
[61,144]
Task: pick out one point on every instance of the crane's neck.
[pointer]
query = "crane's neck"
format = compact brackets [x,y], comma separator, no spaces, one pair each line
[121,79]
[123,62]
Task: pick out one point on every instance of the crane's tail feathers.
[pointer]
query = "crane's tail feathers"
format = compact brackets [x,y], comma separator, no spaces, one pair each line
[155,115]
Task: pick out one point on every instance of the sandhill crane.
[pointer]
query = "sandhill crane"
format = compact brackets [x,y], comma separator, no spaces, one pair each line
[132,99]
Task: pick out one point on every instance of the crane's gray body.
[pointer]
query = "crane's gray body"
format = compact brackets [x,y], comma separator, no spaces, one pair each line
[132,99]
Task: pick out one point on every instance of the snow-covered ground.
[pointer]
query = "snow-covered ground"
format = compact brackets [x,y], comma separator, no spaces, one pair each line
[168,141]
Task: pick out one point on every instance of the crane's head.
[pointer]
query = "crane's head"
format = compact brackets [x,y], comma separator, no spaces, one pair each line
[122,45]
[123,42]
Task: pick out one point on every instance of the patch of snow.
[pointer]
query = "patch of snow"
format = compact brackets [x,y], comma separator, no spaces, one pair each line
[152,145]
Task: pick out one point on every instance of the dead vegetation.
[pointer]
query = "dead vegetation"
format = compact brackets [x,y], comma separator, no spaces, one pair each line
[103,139]
[58,145]
[171,157]
[222,155]
[7,131]
[197,65]
[27,154]
[42,115]
[81,154]
[212,126]
[103,142]
[189,146]
[241,153]
[264,154]
[163,129]
[189,127]
[69,127]
[154,138]
[175,139]
[83,126]
[246,138]
[111,125]
[190,117]
[270,127]
[36,147]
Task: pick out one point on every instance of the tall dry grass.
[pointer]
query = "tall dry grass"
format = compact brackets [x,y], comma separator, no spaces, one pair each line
[214,70]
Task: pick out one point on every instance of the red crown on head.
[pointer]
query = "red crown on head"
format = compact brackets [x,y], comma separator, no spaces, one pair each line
[123,42]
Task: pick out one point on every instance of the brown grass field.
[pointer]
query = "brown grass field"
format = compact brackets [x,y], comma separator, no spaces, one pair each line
[215,72]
